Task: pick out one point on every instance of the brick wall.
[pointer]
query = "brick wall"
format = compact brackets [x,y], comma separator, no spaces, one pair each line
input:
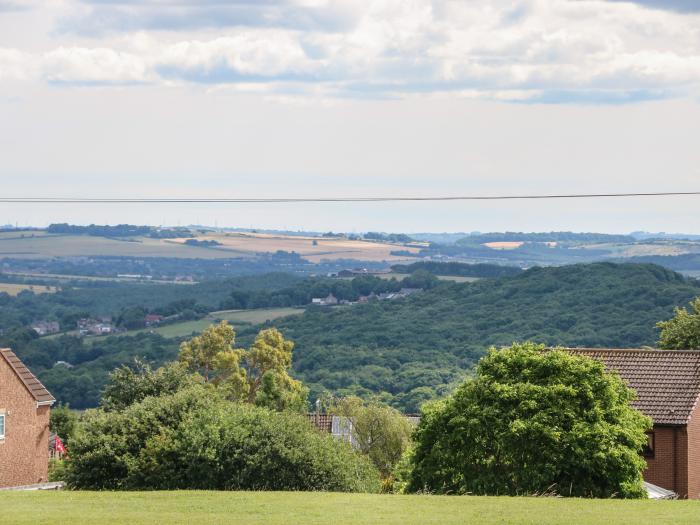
[24,452]
[661,469]
[694,456]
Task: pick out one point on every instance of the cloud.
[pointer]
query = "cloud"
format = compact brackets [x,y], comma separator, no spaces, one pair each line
[682,6]
[101,17]
[98,66]
[557,51]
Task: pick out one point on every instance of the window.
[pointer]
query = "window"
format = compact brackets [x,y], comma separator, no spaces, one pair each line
[649,447]
[2,426]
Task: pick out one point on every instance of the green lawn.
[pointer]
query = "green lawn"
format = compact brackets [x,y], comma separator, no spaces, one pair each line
[235,317]
[75,508]
[455,278]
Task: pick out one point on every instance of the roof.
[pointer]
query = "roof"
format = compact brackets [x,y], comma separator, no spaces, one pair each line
[36,389]
[667,382]
[655,492]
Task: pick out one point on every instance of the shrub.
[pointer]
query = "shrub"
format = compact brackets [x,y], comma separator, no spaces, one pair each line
[193,439]
[533,421]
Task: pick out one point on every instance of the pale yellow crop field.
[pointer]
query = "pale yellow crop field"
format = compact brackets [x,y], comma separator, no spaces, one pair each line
[232,245]
[324,247]
[14,289]
[504,245]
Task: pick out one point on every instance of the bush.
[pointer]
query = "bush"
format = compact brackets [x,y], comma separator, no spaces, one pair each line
[195,440]
[57,469]
[533,421]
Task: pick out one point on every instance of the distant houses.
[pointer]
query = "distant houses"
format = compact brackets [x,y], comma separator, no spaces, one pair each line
[46,327]
[153,319]
[331,300]
[89,326]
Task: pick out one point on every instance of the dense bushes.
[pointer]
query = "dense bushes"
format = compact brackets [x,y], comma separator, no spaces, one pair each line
[533,421]
[195,440]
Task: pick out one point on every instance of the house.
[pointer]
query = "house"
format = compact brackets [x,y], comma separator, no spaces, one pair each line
[341,427]
[331,300]
[153,319]
[25,406]
[667,383]
[46,327]
[89,326]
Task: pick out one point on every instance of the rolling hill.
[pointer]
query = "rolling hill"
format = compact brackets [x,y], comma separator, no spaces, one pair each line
[413,349]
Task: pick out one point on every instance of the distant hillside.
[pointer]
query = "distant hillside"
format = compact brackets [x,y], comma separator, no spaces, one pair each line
[414,348]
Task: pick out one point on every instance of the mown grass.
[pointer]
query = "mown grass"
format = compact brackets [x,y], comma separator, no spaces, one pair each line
[202,508]
[455,278]
[235,317]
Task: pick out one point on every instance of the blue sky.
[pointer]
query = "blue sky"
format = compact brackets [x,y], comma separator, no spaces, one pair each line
[352,97]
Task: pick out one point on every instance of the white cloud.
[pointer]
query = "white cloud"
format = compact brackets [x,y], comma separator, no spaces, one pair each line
[77,65]
[16,65]
[530,50]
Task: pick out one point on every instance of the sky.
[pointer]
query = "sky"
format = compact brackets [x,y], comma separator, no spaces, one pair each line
[352,98]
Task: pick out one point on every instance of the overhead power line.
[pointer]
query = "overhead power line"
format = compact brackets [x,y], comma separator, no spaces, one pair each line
[233,200]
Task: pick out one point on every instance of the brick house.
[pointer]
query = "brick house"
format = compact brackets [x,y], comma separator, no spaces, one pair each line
[667,383]
[25,405]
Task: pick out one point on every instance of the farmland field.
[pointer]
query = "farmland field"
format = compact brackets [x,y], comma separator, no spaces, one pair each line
[314,249]
[203,508]
[14,289]
[455,278]
[235,317]
[504,245]
[38,245]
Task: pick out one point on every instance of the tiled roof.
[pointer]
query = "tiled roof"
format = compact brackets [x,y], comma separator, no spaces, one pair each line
[323,422]
[667,382]
[36,389]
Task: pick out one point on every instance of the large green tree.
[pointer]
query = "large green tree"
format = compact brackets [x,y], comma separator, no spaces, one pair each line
[258,375]
[682,331]
[533,421]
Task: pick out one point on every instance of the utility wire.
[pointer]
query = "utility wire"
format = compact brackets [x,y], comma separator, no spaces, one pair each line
[148,200]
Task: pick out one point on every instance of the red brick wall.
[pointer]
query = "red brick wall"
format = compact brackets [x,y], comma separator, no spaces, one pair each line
[694,456]
[24,455]
[661,468]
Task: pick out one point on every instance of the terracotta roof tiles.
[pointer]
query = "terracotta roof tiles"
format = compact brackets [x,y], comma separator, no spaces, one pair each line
[667,382]
[36,389]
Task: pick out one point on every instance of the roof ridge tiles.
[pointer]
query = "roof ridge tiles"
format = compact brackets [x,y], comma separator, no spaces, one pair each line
[37,390]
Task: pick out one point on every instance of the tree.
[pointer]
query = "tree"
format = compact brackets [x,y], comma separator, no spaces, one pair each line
[131,384]
[269,361]
[259,375]
[533,421]
[63,422]
[682,332]
[194,439]
[380,432]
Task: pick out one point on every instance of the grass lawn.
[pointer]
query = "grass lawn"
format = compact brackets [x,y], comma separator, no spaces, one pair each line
[455,278]
[235,317]
[76,508]
[255,316]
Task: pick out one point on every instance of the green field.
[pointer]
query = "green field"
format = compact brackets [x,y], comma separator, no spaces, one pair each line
[76,508]
[235,317]
[43,246]
[67,277]
[455,278]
